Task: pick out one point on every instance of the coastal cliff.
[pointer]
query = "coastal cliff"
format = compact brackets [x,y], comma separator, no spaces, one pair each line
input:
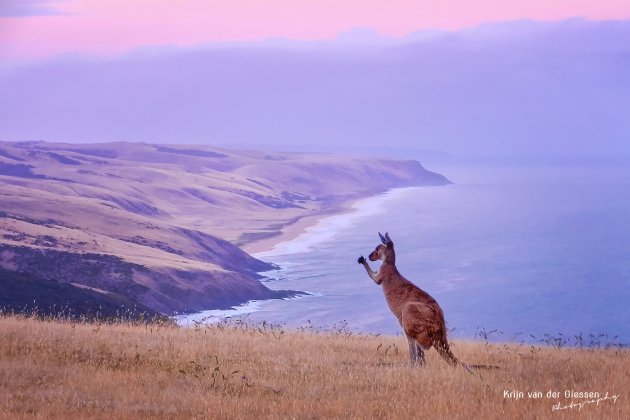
[161,225]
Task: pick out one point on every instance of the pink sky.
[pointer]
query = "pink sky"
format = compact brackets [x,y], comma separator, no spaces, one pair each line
[116,26]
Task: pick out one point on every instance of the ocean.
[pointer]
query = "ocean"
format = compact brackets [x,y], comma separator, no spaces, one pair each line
[529,254]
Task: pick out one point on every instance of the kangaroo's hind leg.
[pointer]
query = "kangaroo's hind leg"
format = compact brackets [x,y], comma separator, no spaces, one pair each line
[416,322]
[421,361]
[416,354]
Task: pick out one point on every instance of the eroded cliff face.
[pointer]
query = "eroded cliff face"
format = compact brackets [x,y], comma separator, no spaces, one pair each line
[158,224]
[166,290]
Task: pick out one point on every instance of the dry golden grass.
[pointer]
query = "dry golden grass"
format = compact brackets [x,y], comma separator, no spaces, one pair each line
[64,370]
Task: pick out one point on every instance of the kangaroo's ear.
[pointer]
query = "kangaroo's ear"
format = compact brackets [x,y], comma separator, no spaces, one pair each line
[383,238]
[389,242]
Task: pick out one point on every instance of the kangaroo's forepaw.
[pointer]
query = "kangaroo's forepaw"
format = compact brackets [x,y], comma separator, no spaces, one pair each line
[361,260]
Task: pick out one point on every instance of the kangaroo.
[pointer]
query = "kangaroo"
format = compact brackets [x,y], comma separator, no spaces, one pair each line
[419,314]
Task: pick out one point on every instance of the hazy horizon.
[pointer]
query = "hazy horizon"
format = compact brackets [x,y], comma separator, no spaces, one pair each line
[522,89]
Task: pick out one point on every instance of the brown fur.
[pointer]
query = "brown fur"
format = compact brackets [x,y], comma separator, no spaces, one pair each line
[418,312]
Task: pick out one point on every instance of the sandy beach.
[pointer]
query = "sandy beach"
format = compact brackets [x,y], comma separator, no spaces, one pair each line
[298,226]
[323,226]
[322,223]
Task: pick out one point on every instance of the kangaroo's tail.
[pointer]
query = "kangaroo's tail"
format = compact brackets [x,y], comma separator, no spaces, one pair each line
[480,367]
[444,350]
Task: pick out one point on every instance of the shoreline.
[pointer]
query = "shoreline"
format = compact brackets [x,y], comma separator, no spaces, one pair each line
[303,233]
[293,229]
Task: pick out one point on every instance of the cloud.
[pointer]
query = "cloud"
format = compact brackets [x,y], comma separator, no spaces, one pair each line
[519,88]
[24,8]
[106,27]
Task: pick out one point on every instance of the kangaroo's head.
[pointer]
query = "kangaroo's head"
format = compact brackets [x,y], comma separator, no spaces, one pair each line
[385,251]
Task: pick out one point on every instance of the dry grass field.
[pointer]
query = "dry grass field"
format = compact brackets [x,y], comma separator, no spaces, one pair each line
[67,370]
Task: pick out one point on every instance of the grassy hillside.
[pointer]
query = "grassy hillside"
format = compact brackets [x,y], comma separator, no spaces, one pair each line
[159,224]
[60,370]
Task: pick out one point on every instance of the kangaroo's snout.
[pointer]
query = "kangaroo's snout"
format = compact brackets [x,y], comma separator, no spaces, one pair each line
[378,253]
